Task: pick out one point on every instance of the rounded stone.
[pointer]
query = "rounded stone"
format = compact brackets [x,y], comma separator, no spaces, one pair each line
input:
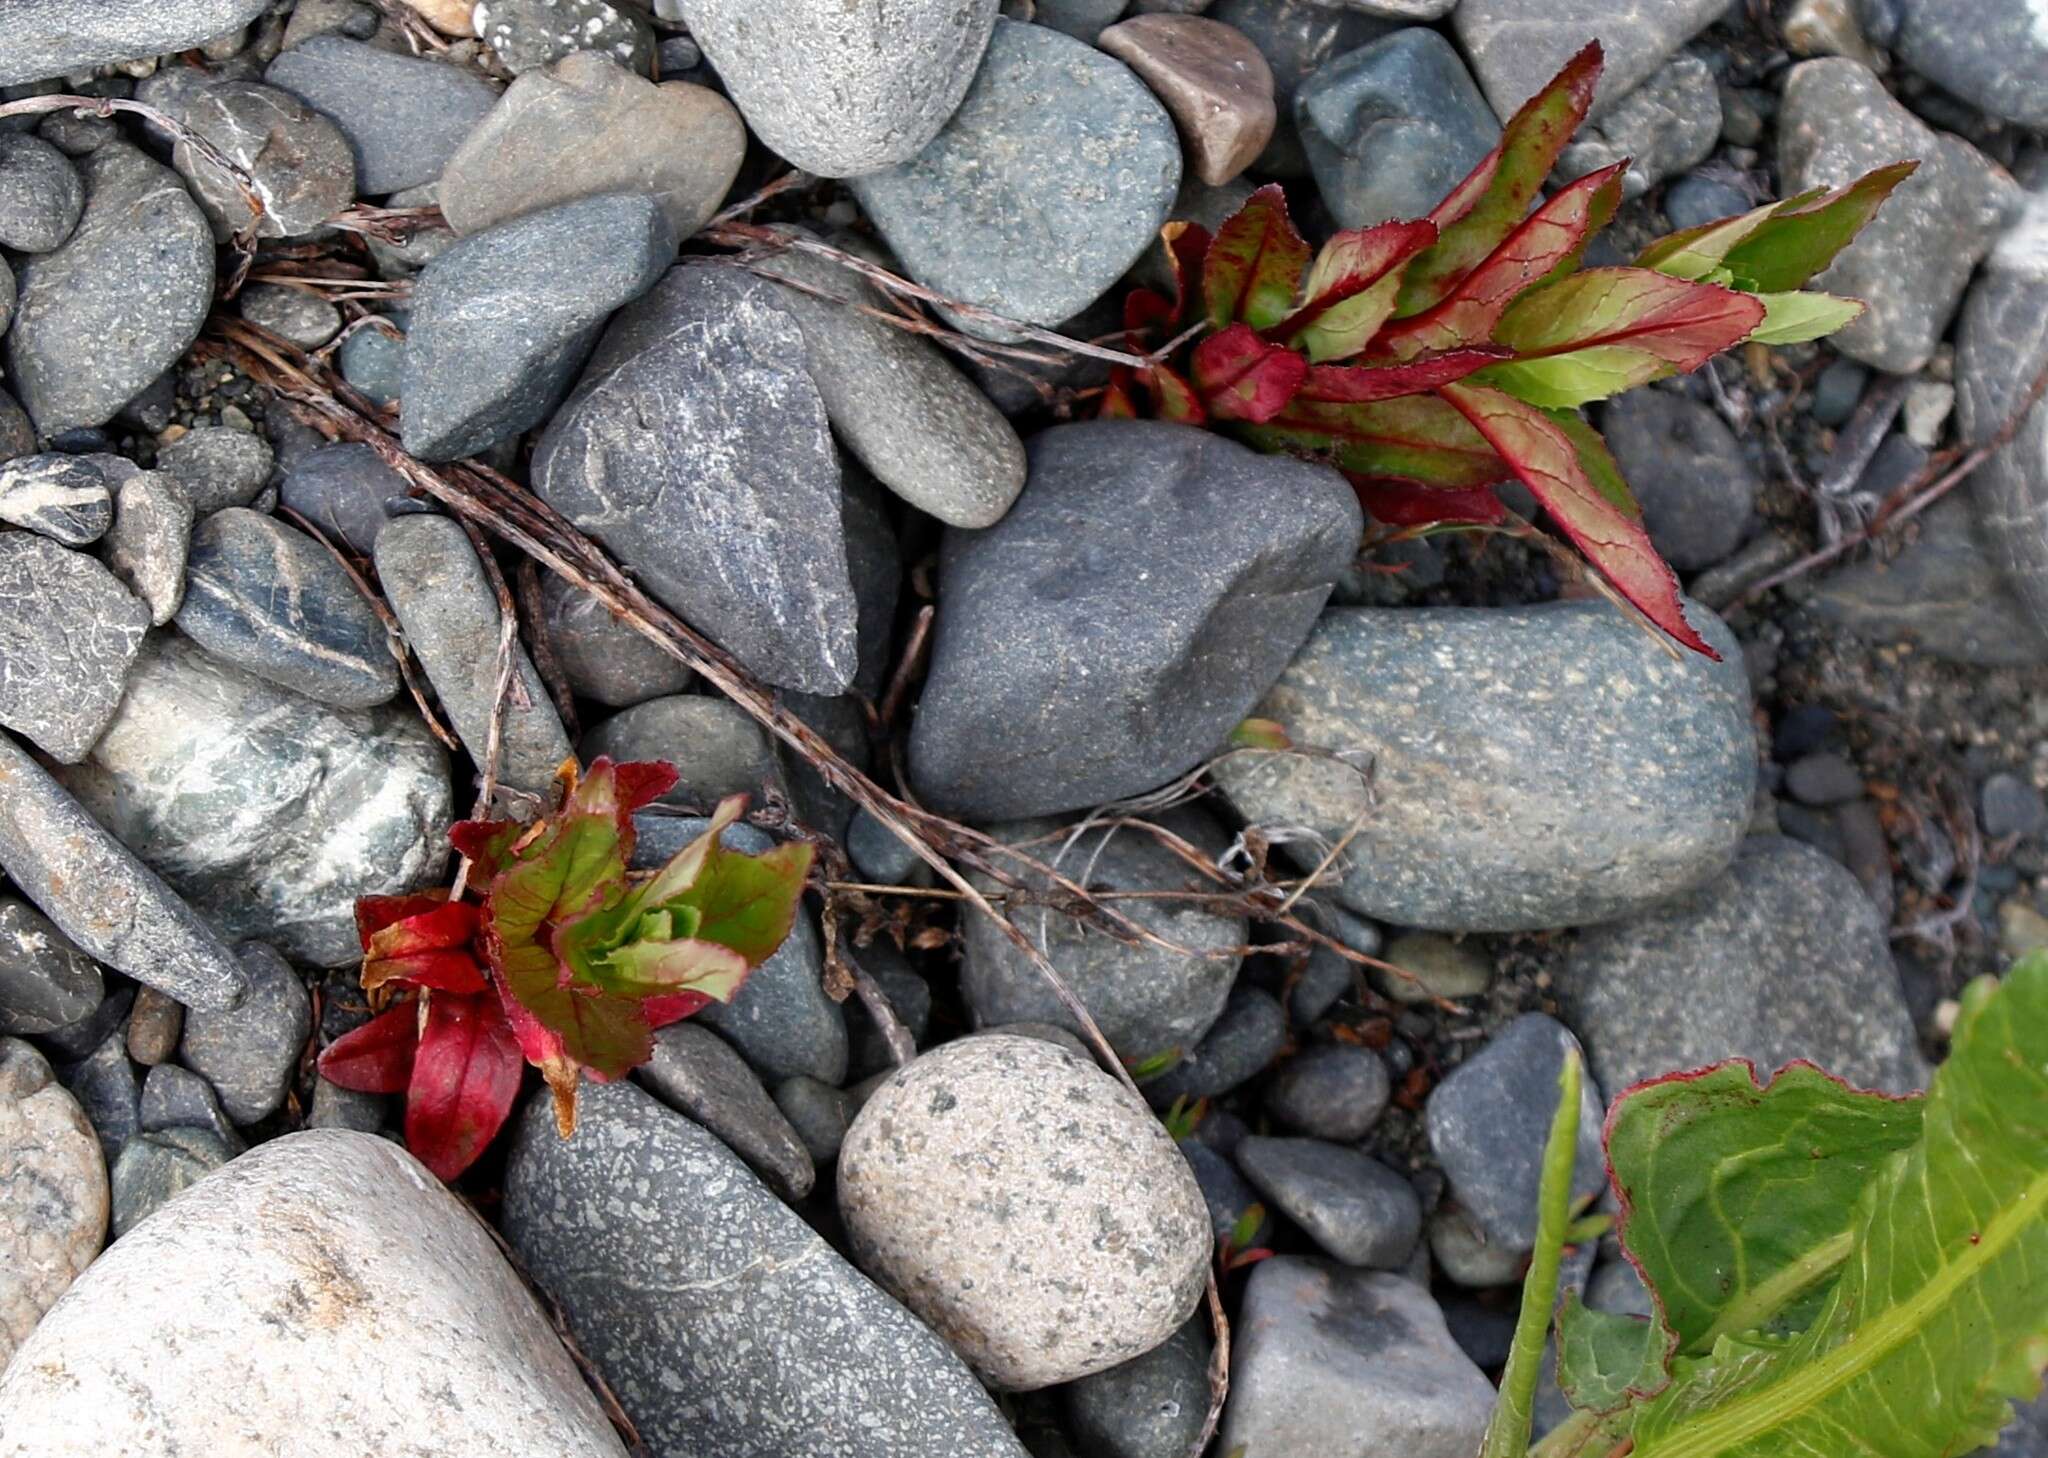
[53,1192]
[1027,1206]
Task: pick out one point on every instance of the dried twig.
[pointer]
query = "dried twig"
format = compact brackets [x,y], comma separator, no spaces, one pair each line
[541,644]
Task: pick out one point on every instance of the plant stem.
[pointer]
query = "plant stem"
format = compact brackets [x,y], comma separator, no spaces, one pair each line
[1507,1436]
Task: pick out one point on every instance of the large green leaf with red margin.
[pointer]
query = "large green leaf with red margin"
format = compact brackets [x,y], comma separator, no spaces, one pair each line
[1548,459]
[1607,1359]
[376,1057]
[1781,245]
[1254,264]
[1416,438]
[1546,244]
[465,1079]
[1596,333]
[1495,196]
[1240,376]
[1352,287]
[1803,314]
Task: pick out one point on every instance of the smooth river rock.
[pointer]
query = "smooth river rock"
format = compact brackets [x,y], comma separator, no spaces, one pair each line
[1532,767]
[1516,46]
[69,633]
[53,1193]
[403,115]
[48,38]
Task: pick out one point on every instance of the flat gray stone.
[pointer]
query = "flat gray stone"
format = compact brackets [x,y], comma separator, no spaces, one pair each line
[250,1052]
[69,633]
[696,1072]
[1666,125]
[1025,206]
[177,1098]
[1349,1203]
[271,812]
[528,34]
[755,1340]
[148,543]
[695,449]
[1516,46]
[153,1168]
[347,492]
[1912,262]
[1328,1361]
[1697,490]
[1119,622]
[819,1113]
[1500,805]
[1149,1407]
[1782,956]
[1335,1091]
[502,321]
[444,601]
[1028,1206]
[217,466]
[303,318]
[303,168]
[1225,1192]
[268,598]
[843,89]
[912,419]
[1242,1043]
[403,116]
[46,982]
[106,1086]
[335,1107]
[1993,53]
[17,434]
[48,38]
[135,279]
[1295,39]
[716,747]
[41,195]
[601,657]
[53,1192]
[64,498]
[231,1310]
[583,126]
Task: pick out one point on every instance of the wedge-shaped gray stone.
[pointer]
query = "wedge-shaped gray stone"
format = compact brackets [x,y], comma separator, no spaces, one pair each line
[695,448]
[250,1051]
[68,633]
[1516,46]
[744,1335]
[404,116]
[64,498]
[502,321]
[303,168]
[51,37]
[232,1309]
[40,194]
[1530,767]
[99,318]
[696,1072]
[271,812]
[601,657]
[147,545]
[46,982]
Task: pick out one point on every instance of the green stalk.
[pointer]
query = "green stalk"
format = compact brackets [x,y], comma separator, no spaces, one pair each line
[1507,1435]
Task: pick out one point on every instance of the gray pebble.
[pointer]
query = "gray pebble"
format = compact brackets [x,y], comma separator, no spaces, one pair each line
[1697,491]
[2011,806]
[178,1098]
[154,1027]
[250,1052]
[1350,1204]
[303,168]
[217,466]
[45,981]
[69,633]
[716,747]
[40,194]
[1149,1407]
[528,34]
[148,543]
[1335,1092]
[64,498]
[105,1085]
[347,493]
[1244,1040]
[820,1114]
[303,318]
[403,116]
[696,1072]
[601,657]
[1823,779]
[153,1168]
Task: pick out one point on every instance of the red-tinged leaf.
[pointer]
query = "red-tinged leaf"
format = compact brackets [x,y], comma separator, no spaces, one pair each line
[374,913]
[429,949]
[1173,398]
[378,1056]
[1612,538]
[576,866]
[1550,240]
[1144,309]
[1352,287]
[560,1024]
[1254,265]
[749,903]
[1600,466]
[487,844]
[1118,402]
[672,1007]
[1359,384]
[1778,247]
[1186,244]
[1495,196]
[1597,333]
[465,1079]
[1413,438]
[1403,503]
[1260,734]
[1243,377]
[645,969]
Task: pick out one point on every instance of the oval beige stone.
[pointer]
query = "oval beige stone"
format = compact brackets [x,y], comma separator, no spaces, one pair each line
[53,1192]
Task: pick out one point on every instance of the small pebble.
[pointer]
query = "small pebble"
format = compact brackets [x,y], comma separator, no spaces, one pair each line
[1823,780]
[1333,1092]
[154,1026]
[2011,806]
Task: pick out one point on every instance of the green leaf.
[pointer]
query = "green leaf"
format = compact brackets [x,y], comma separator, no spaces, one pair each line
[1260,734]
[1254,264]
[1736,1198]
[1794,318]
[1152,1067]
[1507,1435]
[1352,288]
[1606,1359]
[1780,246]
[1412,438]
[1246,1230]
[1940,1313]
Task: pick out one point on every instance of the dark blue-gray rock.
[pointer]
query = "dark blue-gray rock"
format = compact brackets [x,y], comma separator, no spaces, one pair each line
[902,409]
[403,116]
[1326,976]
[2008,805]
[1239,1045]
[302,167]
[41,195]
[1912,261]
[696,1072]
[1484,1331]
[1516,46]
[909,997]
[1326,1360]
[250,1051]
[1698,198]
[1823,778]
[1488,1120]
[528,34]
[717,748]
[335,1107]
[147,545]
[347,492]
[1498,805]
[1336,1091]
[78,133]
[437,586]
[1993,53]
[1025,206]
[820,1114]
[1780,957]
[269,599]
[502,321]
[1081,19]
[372,360]
[1109,632]
[64,498]
[601,657]
[101,316]
[1349,1203]
[178,1098]
[695,449]
[271,812]
[217,466]
[303,318]
[1391,127]
[155,1167]
[54,1215]
[879,855]
[1224,1191]
[842,89]
[585,125]
[48,38]
[1146,999]
[69,633]
[1296,40]
[106,1087]
[875,565]
[756,1339]
[1151,1406]
[1839,388]
[17,433]
[1697,491]
[46,982]
[1665,125]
